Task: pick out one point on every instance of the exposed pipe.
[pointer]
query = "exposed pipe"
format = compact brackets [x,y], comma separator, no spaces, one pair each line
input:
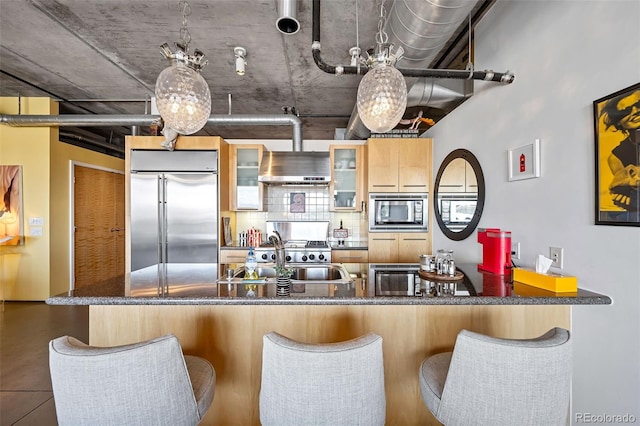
[486,75]
[287,22]
[90,141]
[97,120]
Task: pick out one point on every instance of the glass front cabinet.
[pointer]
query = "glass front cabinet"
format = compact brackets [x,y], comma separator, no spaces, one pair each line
[348,171]
[246,191]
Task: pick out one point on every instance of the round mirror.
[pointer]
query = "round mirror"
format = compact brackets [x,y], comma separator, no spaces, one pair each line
[459,194]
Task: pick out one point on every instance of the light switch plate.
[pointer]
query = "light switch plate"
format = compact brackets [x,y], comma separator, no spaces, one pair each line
[36,221]
[35,231]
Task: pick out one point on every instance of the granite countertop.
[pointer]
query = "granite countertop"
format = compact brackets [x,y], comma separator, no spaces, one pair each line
[477,288]
[348,245]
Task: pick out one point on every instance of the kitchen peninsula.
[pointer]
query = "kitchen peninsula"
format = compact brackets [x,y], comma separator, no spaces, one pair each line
[227,328]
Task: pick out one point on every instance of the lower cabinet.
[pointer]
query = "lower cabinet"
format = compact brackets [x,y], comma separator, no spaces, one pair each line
[349,256]
[398,247]
[233,256]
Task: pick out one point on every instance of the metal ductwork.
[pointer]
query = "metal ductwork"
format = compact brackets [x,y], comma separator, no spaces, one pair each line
[444,95]
[422,28]
[287,22]
[78,120]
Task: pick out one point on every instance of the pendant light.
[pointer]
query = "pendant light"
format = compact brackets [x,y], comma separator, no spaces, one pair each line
[182,94]
[382,93]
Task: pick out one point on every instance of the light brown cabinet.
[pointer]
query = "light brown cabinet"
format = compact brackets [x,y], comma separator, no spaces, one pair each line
[349,256]
[399,165]
[398,247]
[458,177]
[348,175]
[228,256]
[244,163]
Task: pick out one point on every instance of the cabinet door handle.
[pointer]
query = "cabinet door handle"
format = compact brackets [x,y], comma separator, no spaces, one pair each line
[350,257]
[383,239]
[414,186]
[384,186]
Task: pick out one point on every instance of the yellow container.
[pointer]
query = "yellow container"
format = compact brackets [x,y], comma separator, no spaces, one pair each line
[528,290]
[556,283]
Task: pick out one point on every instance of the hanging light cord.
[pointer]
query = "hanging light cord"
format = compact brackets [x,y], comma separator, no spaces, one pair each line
[381,36]
[185,36]
[357,38]
[469,61]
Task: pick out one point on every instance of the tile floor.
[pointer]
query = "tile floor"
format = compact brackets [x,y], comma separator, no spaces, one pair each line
[25,385]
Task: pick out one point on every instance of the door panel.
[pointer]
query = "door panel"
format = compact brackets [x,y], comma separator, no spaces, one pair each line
[145,188]
[99,225]
[191,212]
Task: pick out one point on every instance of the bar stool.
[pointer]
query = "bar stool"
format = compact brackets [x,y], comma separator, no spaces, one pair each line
[322,384]
[492,381]
[146,383]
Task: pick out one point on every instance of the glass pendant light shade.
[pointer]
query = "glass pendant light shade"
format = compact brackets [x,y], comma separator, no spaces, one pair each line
[382,98]
[183,98]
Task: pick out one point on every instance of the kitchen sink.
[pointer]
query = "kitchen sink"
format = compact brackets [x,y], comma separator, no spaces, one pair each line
[332,273]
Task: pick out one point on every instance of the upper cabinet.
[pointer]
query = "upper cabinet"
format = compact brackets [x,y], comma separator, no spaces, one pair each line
[348,174]
[399,165]
[458,177]
[245,192]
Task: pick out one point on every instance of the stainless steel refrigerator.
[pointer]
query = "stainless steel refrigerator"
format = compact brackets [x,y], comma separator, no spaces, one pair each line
[174,223]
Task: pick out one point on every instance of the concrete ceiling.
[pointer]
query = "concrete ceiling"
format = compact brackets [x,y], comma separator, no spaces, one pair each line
[75,50]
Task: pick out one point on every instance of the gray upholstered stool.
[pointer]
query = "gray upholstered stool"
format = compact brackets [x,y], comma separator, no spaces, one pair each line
[147,383]
[322,384]
[492,381]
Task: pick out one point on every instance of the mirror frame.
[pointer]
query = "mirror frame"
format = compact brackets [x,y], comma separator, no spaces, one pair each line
[475,165]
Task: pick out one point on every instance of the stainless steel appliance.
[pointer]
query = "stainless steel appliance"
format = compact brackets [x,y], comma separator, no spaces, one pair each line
[304,242]
[406,212]
[174,222]
[297,167]
[395,279]
[402,279]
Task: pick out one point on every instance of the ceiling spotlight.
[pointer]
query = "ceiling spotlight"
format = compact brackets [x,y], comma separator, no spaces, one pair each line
[182,94]
[240,53]
[355,55]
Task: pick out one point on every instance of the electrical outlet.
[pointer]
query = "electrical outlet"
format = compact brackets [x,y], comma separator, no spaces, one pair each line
[556,254]
[515,251]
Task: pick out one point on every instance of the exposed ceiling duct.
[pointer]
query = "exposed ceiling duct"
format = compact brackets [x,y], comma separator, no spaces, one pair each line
[421,28]
[74,120]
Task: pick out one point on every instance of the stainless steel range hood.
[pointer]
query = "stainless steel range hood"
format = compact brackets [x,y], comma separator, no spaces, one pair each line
[295,168]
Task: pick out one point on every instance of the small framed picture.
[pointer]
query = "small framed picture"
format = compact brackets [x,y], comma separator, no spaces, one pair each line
[524,162]
[297,202]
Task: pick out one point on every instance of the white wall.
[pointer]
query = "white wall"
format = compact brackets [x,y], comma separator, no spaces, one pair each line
[565,54]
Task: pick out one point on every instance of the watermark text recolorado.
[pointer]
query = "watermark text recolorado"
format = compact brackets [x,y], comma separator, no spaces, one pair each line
[604,418]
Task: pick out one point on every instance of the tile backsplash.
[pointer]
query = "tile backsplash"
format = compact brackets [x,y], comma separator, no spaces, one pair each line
[278,202]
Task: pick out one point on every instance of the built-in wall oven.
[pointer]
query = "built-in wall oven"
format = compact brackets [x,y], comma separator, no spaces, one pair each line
[395,279]
[405,212]
[403,279]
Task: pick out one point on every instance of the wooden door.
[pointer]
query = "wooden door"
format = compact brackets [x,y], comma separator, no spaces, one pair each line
[99,218]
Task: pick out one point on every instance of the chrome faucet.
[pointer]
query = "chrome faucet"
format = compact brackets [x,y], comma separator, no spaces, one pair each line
[278,245]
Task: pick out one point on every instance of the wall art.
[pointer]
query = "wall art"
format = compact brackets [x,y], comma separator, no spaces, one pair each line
[524,162]
[11,217]
[617,157]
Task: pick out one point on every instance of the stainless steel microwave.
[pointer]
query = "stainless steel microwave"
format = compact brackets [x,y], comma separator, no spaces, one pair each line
[405,212]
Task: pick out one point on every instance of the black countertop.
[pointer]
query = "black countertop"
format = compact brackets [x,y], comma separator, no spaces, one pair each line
[477,288]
